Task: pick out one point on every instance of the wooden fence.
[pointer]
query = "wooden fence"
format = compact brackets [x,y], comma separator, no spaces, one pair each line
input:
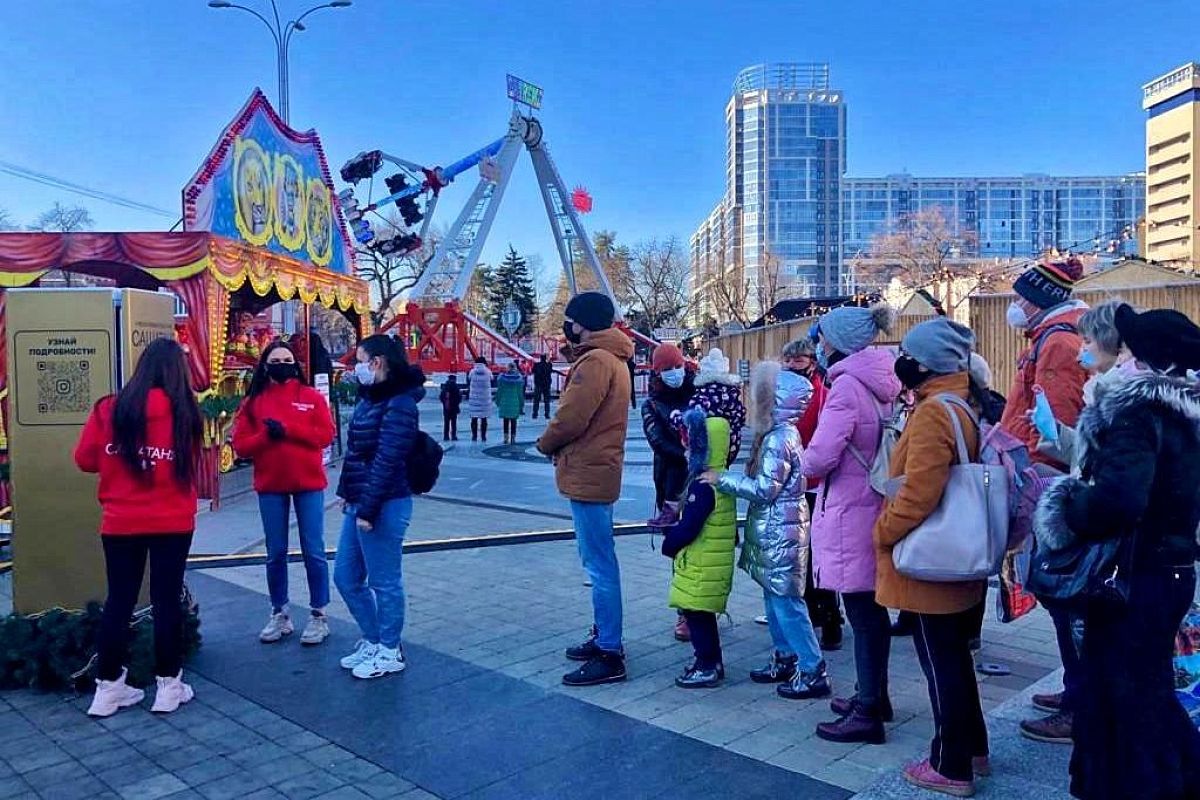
[1000,344]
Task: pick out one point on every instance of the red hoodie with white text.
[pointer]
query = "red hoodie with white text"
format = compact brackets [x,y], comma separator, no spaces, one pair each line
[294,463]
[134,504]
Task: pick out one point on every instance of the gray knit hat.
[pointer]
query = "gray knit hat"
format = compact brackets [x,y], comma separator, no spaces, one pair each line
[850,329]
[940,345]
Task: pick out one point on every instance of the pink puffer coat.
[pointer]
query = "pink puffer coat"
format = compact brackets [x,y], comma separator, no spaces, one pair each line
[864,388]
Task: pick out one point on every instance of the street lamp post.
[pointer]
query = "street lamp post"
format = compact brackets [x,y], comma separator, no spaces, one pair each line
[281,33]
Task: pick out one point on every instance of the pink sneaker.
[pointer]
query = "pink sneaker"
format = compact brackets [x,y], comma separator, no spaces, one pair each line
[112,696]
[171,694]
[923,774]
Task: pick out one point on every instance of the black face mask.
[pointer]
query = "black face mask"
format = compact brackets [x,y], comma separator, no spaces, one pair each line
[908,370]
[281,372]
[569,332]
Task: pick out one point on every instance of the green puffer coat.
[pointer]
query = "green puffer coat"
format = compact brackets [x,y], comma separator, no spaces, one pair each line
[510,395]
[703,571]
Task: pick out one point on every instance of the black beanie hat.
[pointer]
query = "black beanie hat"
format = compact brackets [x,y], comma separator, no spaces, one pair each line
[592,310]
[1161,339]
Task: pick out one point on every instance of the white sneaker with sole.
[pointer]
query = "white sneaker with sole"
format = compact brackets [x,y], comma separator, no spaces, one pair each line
[112,696]
[277,627]
[363,651]
[171,694]
[385,662]
[316,631]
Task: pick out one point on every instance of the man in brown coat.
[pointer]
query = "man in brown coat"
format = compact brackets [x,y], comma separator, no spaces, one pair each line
[586,440]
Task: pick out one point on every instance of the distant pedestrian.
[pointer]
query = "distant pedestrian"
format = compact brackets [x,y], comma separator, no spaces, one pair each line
[284,426]
[775,552]
[632,382]
[451,399]
[586,440]
[144,443]
[378,503]
[479,398]
[510,400]
[543,373]
[701,546]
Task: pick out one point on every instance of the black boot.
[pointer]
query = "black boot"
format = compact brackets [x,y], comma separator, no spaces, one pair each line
[806,686]
[604,667]
[779,669]
[861,726]
[844,707]
[587,650]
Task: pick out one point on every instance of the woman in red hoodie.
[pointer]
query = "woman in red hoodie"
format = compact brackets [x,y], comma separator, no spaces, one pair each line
[284,426]
[143,442]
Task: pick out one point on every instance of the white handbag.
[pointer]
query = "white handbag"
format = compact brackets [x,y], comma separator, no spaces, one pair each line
[966,536]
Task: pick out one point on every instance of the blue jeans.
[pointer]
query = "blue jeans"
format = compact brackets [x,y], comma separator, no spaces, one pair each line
[310,518]
[367,571]
[791,630]
[598,552]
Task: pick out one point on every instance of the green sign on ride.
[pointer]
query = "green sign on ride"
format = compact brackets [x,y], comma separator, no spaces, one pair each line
[524,93]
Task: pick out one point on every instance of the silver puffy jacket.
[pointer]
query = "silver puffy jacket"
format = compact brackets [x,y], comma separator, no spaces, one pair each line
[775,551]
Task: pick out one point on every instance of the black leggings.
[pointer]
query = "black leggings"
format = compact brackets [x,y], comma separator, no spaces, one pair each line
[449,425]
[478,425]
[872,645]
[706,639]
[510,427]
[125,565]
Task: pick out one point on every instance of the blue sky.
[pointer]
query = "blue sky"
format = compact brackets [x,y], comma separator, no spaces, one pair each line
[127,96]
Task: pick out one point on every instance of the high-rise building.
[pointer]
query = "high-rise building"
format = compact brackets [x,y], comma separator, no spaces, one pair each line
[785,155]
[1007,218]
[1172,105]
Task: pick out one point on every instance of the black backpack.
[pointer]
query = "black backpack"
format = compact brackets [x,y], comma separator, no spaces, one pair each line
[424,463]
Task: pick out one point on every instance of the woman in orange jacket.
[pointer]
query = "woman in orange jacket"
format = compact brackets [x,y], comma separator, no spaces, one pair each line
[284,425]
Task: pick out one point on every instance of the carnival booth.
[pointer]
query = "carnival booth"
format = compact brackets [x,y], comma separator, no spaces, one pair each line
[260,227]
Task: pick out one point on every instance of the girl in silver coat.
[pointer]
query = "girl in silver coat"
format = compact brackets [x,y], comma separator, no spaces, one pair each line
[776,550]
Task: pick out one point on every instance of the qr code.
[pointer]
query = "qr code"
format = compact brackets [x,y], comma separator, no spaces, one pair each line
[64,387]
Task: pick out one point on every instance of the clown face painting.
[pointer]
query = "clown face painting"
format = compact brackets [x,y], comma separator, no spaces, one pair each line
[289,202]
[253,193]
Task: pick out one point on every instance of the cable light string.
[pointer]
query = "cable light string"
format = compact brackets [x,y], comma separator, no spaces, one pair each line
[25,173]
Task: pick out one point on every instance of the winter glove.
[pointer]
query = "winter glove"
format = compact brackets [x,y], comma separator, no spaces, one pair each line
[275,429]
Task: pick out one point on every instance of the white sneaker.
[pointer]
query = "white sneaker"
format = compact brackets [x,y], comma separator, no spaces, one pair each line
[171,694]
[277,627]
[112,696]
[363,651]
[316,631]
[386,661]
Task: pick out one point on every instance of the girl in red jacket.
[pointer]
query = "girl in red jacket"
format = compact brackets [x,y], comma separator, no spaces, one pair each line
[284,426]
[143,442]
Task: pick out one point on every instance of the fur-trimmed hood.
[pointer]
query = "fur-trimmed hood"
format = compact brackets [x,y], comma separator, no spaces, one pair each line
[777,396]
[1166,395]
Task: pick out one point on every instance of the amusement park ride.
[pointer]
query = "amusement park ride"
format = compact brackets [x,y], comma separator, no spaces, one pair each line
[438,332]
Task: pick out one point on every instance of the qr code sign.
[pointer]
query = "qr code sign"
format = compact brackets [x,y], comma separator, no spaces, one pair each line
[64,387]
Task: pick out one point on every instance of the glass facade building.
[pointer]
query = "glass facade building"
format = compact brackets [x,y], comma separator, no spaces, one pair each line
[1009,218]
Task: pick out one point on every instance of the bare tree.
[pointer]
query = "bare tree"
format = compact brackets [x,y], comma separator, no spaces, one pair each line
[390,276]
[743,300]
[614,261]
[657,282]
[62,219]
[6,221]
[924,251]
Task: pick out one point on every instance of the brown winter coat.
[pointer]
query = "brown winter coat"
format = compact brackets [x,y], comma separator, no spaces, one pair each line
[924,456]
[586,438]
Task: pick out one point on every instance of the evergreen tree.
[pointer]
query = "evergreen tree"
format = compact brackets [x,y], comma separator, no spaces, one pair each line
[511,280]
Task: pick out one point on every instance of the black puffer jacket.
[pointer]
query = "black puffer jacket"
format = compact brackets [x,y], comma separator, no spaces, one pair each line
[382,431]
[670,458]
[1140,461]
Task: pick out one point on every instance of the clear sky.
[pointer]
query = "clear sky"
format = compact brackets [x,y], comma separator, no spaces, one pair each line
[127,96]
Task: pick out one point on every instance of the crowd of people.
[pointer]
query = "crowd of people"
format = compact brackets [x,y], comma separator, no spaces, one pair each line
[852,446]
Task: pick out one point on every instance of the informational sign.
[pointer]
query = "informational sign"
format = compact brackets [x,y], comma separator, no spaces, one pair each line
[58,375]
[525,93]
[269,186]
[510,317]
[145,317]
[321,384]
[671,335]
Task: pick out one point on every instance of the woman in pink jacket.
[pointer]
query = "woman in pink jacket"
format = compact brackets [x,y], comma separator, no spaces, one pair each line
[864,388]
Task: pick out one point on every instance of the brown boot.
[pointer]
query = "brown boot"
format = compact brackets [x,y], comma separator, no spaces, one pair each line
[1055,729]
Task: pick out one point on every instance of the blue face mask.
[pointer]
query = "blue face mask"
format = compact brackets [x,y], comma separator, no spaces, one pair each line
[822,358]
[1087,360]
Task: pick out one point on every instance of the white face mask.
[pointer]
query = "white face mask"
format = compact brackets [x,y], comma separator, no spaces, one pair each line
[673,377]
[364,374]
[1016,316]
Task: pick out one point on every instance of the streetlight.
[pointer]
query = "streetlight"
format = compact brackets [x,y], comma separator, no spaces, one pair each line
[281,33]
